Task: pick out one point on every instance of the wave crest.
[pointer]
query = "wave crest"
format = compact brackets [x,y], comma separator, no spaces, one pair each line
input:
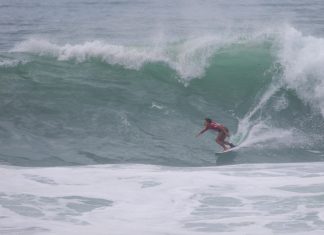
[189,58]
[302,58]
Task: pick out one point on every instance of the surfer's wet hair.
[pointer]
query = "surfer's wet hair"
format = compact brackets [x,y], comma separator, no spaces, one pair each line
[208,120]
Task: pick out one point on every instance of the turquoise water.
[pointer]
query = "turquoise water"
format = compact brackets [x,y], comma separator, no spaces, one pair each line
[121,83]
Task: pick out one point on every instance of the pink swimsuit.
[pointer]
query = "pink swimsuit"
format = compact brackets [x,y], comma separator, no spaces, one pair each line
[215,126]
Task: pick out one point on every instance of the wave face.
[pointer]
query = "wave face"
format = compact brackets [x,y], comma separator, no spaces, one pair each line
[98,102]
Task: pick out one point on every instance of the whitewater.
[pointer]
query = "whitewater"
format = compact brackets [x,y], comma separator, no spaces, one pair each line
[141,199]
[100,103]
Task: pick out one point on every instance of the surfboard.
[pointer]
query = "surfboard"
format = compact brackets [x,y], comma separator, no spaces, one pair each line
[228,150]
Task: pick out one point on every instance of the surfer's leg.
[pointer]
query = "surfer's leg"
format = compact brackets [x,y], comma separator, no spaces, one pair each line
[220,140]
[229,144]
[226,142]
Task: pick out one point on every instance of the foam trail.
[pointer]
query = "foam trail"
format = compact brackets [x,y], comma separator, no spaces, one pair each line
[255,130]
[265,136]
[246,124]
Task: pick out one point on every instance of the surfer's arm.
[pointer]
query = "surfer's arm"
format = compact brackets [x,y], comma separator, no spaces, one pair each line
[201,132]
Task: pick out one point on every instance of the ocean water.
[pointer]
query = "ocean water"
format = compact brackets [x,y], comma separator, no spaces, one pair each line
[100,102]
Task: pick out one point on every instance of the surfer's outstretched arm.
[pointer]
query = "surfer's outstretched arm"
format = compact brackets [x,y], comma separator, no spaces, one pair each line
[202,131]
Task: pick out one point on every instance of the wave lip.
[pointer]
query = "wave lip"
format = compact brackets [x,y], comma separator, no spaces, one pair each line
[132,58]
[188,58]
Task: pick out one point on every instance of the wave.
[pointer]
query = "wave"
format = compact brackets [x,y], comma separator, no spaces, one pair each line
[300,57]
[121,103]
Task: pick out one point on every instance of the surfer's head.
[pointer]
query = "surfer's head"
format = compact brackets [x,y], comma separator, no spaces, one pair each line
[208,120]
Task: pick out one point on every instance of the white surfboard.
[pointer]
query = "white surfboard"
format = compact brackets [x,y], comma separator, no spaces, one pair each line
[228,150]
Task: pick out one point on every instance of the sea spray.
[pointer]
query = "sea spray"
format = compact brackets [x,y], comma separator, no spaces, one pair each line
[302,58]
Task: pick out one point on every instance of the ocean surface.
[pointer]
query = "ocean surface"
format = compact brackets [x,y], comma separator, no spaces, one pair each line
[101,101]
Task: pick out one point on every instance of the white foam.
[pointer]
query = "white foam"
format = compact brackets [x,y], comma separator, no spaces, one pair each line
[139,199]
[9,63]
[302,58]
[157,106]
[281,103]
[132,58]
[266,136]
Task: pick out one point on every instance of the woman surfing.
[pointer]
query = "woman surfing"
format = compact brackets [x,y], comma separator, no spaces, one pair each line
[223,132]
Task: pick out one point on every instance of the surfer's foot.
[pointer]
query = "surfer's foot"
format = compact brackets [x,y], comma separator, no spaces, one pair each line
[232,145]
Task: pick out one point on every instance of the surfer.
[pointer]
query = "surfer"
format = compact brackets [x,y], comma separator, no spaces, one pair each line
[223,132]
